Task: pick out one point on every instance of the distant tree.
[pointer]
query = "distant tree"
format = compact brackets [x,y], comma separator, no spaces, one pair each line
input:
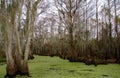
[68,14]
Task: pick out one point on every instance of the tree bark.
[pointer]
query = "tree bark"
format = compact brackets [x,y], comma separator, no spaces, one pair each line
[73,53]
[10,68]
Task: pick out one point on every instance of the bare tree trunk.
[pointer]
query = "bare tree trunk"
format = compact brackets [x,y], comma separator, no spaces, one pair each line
[71,41]
[116,30]
[97,17]
[10,68]
[8,34]
[18,52]
[25,69]
[109,30]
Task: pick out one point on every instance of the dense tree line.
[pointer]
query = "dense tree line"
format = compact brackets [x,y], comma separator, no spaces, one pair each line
[80,30]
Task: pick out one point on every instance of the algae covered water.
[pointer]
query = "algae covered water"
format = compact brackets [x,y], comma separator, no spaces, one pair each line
[54,67]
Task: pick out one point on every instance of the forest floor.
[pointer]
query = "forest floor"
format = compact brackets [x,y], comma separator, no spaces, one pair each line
[54,67]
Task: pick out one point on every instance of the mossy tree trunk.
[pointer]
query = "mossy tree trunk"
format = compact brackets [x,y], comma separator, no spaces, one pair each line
[16,55]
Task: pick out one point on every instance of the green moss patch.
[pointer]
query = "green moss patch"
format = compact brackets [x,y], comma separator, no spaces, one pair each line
[54,67]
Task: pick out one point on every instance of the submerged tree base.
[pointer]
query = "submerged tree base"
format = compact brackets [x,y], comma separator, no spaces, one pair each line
[91,61]
[17,73]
